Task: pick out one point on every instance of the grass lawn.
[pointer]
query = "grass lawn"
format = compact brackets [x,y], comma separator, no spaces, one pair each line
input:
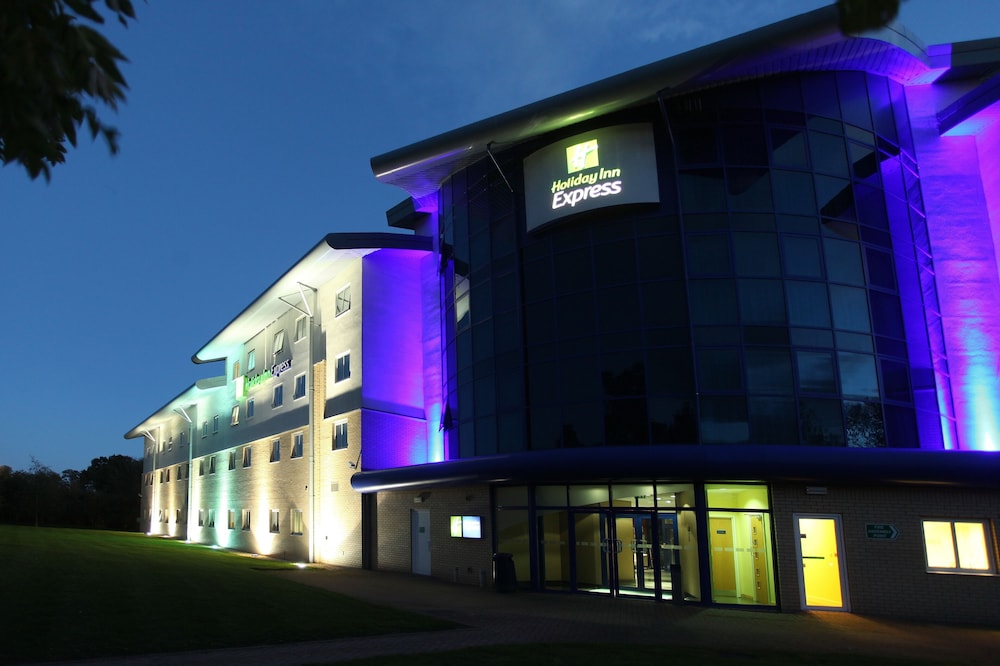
[78,593]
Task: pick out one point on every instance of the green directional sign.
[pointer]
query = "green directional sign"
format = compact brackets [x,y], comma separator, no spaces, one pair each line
[881,531]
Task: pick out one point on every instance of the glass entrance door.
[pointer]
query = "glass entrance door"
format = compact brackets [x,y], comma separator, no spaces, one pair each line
[594,552]
[626,553]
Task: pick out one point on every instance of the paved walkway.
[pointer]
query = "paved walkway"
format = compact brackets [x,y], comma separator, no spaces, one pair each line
[490,618]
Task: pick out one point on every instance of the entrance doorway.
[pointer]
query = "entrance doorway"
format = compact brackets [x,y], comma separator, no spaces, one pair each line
[626,553]
[420,541]
[822,576]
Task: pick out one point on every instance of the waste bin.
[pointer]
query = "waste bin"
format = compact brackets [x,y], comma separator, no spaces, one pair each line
[504,577]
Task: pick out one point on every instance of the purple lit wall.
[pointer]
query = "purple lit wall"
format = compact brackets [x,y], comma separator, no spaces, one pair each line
[961,192]
[400,404]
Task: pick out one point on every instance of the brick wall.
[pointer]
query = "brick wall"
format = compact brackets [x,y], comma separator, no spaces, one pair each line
[888,576]
[465,561]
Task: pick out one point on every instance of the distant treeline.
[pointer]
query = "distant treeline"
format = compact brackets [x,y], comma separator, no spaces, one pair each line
[103,496]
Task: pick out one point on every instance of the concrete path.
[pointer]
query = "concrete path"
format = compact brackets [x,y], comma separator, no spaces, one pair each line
[490,618]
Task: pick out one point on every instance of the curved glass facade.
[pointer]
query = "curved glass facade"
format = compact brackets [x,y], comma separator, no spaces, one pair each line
[779,293]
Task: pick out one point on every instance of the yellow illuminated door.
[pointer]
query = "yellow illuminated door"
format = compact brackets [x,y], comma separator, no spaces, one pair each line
[820,567]
[759,554]
[722,559]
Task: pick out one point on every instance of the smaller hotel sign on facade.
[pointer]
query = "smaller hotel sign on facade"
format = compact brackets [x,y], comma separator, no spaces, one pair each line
[610,166]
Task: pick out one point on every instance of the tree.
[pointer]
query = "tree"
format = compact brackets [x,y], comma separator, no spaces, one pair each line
[53,67]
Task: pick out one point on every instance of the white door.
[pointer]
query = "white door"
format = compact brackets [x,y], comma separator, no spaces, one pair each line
[420,541]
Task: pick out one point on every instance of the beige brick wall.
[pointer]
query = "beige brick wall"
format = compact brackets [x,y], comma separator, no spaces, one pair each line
[889,577]
[466,561]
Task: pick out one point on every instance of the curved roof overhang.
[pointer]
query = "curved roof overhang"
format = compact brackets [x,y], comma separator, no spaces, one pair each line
[315,268]
[821,465]
[809,42]
[177,405]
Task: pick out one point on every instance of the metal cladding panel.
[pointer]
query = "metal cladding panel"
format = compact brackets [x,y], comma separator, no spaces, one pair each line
[719,463]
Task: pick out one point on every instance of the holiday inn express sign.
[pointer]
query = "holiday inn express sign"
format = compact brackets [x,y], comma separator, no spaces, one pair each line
[610,166]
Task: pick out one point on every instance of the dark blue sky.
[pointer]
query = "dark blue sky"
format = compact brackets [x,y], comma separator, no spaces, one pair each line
[246,138]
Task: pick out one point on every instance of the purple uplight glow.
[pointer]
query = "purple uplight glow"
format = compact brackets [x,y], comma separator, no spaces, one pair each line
[962,199]
[400,393]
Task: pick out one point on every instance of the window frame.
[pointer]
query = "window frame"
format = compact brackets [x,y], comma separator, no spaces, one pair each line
[296,527]
[234,418]
[956,545]
[275,523]
[247,456]
[275,450]
[338,377]
[338,428]
[301,323]
[250,408]
[278,342]
[251,360]
[295,386]
[338,301]
[298,445]
[277,396]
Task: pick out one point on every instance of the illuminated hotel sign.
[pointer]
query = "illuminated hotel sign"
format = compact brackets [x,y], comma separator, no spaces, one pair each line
[607,167]
[244,384]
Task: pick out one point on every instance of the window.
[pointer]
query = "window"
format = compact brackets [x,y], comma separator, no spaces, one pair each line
[201,517]
[246,520]
[201,468]
[211,517]
[278,397]
[279,342]
[296,522]
[236,369]
[343,369]
[235,418]
[246,456]
[251,359]
[297,445]
[340,435]
[211,465]
[178,517]
[343,301]
[232,460]
[161,476]
[957,546]
[275,450]
[204,428]
[168,476]
[466,527]
[300,387]
[275,527]
[163,516]
[231,520]
[215,424]
[300,328]
[250,408]
[170,443]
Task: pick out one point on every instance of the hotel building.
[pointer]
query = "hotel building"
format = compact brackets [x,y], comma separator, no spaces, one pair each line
[724,329]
